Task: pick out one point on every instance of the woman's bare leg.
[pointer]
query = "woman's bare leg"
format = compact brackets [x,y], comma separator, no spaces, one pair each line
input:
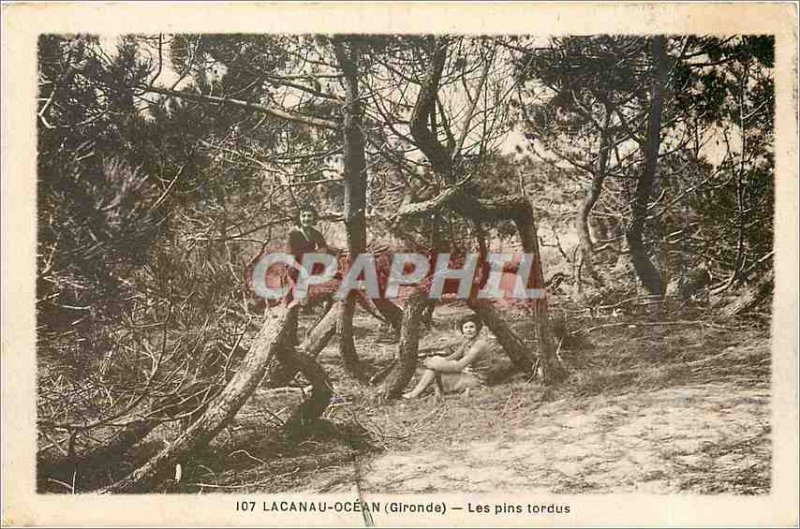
[427,377]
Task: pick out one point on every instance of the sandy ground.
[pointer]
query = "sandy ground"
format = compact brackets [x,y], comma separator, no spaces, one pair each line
[660,442]
[647,408]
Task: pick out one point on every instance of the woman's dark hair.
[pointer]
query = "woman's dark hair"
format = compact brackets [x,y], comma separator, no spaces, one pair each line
[470,318]
[307,208]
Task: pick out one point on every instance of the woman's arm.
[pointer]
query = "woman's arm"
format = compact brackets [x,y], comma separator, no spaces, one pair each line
[446,365]
[295,243]
[319,240]
[457,354]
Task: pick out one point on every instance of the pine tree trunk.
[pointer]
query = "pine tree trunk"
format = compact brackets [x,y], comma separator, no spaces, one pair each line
[355,191]
[316,340]
[321,391]
[552,370]
[406,363]
[391,312]
[354,160]
[347,345]
[647,272]
[582,219]
[517,209]
[221,409]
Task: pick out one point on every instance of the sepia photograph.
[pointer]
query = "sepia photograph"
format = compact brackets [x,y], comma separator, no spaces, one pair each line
[372,277]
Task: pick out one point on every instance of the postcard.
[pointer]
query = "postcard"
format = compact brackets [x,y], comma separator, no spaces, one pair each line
[399,264]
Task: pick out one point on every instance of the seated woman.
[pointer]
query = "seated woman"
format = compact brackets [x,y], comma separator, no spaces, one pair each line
[466,368]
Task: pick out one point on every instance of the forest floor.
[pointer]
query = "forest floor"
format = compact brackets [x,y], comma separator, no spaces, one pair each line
[653,404]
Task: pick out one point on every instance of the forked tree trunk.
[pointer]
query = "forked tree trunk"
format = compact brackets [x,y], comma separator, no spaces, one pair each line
[517,209]
[406,362]
[221,409]
[316,340]
[645,269]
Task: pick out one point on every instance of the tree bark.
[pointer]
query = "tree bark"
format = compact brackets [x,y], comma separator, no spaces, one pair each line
[439,156]
[321,391]
[316,340]
[355,192]
[355,164]
[552,370]
[391,312]
[585,209]
[319,337]
[222,408]
[347,345]
[645,269]
[406,363]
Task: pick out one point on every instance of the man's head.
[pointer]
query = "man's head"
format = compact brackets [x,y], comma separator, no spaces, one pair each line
[470,326]
[307,216]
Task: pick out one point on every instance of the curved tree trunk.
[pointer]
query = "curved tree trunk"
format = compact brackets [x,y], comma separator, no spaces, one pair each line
[515,208]
[221,409]
[355,189]
[390,312]
[406,362]
[311,408]
[645,269]
[582,219]
[318,337]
